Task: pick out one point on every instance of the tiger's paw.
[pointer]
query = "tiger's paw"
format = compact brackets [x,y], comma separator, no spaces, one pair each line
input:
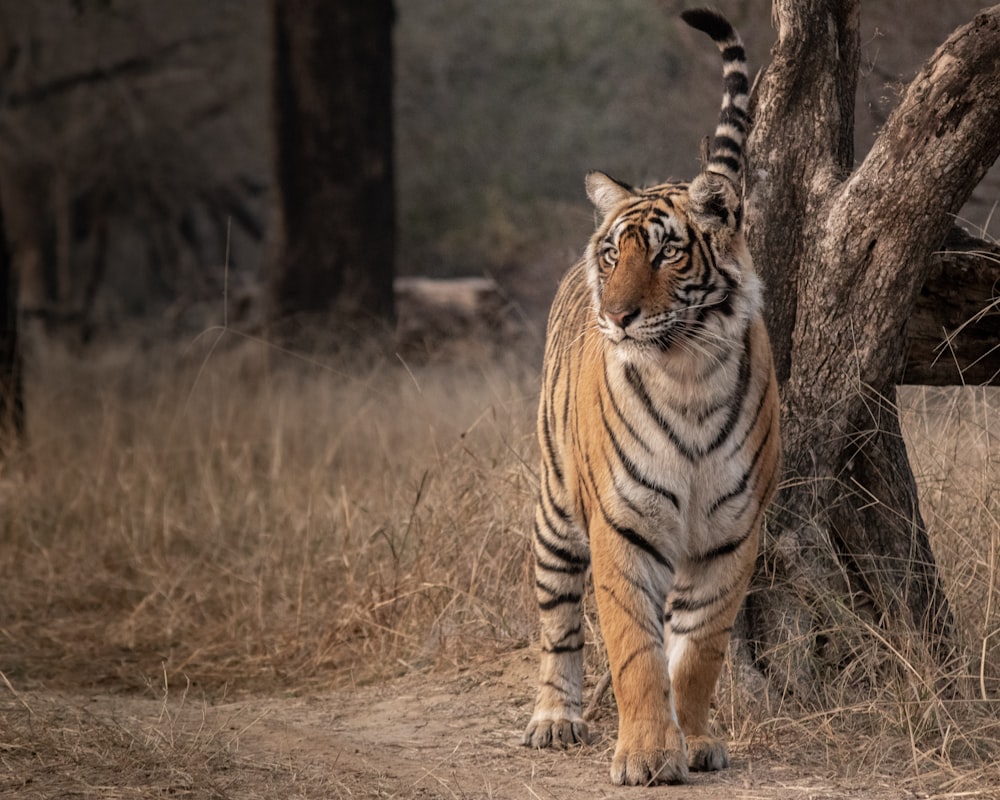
[557,733]
[707,754]
[645,767]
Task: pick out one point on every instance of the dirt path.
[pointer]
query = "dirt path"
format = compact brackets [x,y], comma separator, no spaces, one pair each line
[420,736]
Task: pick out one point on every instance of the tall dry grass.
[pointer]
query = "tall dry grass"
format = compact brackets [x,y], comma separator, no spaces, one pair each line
[953,439]
[886,714]
[243,515]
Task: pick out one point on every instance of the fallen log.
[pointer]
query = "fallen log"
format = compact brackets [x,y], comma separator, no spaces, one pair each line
[434,312]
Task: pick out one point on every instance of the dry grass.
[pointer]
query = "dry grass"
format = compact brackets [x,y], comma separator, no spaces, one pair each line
[55,746]
[886,711]
[240,521]
[953,437]
[247,518]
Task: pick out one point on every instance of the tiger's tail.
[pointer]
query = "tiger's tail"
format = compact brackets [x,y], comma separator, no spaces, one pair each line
[726,155]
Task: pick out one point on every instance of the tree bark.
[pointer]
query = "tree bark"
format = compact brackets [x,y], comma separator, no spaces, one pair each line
[844,255]
[333,162]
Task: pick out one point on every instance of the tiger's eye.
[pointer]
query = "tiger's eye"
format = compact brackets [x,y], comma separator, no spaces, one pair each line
[669,251]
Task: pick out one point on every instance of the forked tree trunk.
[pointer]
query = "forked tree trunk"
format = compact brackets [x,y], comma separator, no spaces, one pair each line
[845,252]
[334,163]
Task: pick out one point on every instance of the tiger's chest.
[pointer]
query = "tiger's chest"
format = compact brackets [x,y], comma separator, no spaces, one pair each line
[664,451]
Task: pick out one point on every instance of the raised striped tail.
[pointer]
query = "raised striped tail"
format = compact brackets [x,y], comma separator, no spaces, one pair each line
[727,152]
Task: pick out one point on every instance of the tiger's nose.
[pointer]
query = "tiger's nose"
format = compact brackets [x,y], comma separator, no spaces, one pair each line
[622,318]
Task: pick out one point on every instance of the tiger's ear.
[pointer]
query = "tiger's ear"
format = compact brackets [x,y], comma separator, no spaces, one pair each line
[606,193]
[715,202]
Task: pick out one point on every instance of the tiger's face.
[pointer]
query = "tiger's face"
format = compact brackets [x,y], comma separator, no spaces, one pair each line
[660,280]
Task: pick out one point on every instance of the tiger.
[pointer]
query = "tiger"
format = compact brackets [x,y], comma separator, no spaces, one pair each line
[659,435]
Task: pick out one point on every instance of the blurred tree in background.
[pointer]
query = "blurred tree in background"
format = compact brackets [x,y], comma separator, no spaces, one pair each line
[126,168]
[11,364]
[333,152]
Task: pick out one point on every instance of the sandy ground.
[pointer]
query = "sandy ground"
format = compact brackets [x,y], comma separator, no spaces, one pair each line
[424,735]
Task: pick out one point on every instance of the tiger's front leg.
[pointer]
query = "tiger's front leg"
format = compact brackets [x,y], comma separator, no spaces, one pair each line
[561,563]
[631,588]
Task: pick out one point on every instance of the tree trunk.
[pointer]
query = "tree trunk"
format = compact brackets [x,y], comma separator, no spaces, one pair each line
[12,421]
[334,166]
[844,255]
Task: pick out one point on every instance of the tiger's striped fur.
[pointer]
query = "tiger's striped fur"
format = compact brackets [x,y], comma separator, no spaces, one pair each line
[658,425]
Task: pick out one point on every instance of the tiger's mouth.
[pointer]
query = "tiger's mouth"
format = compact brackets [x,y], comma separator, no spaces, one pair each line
[681,332]
[681,327]
[663,337]
[662,341]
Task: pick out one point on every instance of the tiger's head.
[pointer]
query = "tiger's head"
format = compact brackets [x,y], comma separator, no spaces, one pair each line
[668,265]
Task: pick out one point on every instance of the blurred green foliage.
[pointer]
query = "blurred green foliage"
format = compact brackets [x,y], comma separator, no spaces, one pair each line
[502,109]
